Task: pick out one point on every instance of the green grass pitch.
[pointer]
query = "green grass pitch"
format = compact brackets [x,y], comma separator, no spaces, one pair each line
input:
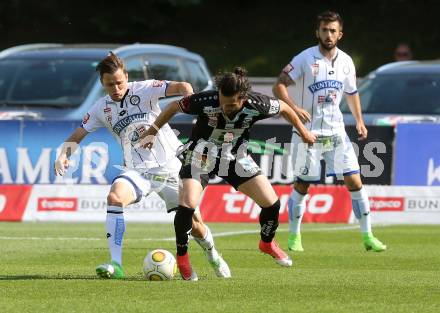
[42,270]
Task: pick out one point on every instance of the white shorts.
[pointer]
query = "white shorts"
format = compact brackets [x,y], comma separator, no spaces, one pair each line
[166,185]
[337,152]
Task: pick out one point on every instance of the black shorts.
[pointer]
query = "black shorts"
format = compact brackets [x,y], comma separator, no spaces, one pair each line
[234,172]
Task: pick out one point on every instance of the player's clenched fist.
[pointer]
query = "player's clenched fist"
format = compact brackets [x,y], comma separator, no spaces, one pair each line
[309,137]
[61,165]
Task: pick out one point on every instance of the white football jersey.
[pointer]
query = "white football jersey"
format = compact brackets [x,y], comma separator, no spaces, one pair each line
[129,118]
[320,84]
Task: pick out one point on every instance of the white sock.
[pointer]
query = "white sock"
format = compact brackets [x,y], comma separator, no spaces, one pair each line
[207,244]
[115,226]
[297,207]
[361,209]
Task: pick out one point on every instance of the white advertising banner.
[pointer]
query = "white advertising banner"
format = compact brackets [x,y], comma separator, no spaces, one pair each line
[404,204]
[87,203]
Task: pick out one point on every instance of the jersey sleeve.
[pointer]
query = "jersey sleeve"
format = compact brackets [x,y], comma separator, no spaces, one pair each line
[156,88]
[295,68]
[265,105]
[350,80]
[91,121]
[191,104]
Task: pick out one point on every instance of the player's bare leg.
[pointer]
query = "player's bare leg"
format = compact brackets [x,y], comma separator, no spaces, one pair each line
[260,190]
[203,236]
[361,210]
[120,196]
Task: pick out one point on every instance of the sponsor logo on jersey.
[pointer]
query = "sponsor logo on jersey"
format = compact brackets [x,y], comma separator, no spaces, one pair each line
[123,112]
[86,118]
[158,83]
[325,84]
[315,69]
[250,112]
[331,96]
[133,136]
[121,124]
[211,110]
[135,100]
[304,170]
[288,68]
[228,137]
[274,106]
[247,121]
[108,115]
[136,134]
[331,72]
[212,120]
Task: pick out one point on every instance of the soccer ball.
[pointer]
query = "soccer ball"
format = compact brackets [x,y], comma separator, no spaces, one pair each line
[159,265]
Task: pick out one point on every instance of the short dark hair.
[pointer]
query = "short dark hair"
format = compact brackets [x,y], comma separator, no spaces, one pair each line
[328,16]
[231,83]
[110,64]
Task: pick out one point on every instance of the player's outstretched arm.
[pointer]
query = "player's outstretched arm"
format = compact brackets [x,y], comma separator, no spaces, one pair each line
[280,91]
[354,103]
[179,89]
[68,148]
[289,115]
[170,110]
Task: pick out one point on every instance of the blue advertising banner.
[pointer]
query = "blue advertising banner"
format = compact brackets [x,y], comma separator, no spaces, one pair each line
[28,151]
[417,155]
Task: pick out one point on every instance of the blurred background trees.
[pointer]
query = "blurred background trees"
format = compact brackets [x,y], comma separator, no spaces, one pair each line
[260,35]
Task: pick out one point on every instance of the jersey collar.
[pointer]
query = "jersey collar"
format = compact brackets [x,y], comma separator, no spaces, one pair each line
[319,55]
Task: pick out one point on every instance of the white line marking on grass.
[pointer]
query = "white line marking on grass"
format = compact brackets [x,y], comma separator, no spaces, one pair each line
[282,230]
[50,238]
[219,234]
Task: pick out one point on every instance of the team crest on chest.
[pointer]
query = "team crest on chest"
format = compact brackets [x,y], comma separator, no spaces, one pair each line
[135,100]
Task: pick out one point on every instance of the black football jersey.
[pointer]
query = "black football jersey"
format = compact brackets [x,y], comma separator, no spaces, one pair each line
[214,127]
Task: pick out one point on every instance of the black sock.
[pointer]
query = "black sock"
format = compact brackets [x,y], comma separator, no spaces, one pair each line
[182,227]
[269,221]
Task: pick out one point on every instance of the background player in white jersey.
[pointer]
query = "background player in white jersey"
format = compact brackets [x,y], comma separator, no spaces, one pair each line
[127,111]
[324,73]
